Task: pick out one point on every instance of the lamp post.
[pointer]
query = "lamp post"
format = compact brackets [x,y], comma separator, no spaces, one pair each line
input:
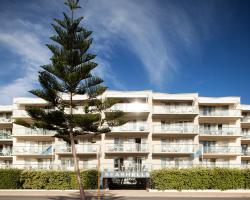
[99,173]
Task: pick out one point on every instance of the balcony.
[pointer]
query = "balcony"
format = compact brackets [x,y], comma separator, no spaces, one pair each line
[39,151]
[127,148]
[221,151]
[245,122]
[245,152]
[5,136]
[220,165]
[172,165]
[47,166]
[131,128]
[131,108]
[230,132]
[20,114]
[174,112]
[245,119]
[245,135]
[28,132]
[175,129]
[5,120]
[174,148]
[216,116]
[5,152]
[81,149]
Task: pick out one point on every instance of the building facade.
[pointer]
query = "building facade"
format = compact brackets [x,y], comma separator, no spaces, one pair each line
[163,131]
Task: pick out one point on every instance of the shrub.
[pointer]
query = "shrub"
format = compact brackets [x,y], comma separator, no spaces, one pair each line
[61,180]
[200,178]
[10,179]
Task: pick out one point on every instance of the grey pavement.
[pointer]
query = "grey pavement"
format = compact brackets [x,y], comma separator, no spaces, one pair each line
[123,195]
[119,198]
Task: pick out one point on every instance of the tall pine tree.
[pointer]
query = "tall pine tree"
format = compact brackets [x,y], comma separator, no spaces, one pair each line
[70,73]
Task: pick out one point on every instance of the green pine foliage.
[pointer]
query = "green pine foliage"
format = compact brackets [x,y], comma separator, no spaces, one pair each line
[70,73]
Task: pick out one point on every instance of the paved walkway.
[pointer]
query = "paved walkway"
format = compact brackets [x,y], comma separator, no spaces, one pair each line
[128,193]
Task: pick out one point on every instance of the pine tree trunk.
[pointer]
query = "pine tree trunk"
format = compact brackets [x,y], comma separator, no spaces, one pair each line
[76,164]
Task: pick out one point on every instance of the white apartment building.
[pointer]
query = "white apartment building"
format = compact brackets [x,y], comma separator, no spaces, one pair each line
[163,131]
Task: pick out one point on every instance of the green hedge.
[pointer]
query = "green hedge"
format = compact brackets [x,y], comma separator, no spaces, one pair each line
[61,180]
[200,178]
[10,178]
[45,179]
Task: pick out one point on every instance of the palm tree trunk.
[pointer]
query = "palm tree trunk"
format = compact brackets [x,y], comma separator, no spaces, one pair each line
[76,164]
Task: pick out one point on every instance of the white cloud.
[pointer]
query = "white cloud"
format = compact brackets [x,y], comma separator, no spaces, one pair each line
[32,53]
[133,24]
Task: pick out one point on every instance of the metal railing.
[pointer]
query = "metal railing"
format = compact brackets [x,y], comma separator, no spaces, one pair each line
[80,148]
[163,109]
[174,148]
[222,149]
[5,152]
[228,113]
[130,128]
[33,150]
[172,165]
[245,119]
[164,129]
[5,136]
[245,135]
[35,132]
[126,147]
[224,131]
[131,107]
[47,166]
[5,120]
[245,152]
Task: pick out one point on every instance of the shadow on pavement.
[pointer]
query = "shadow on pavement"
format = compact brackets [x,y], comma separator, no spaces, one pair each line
[94,197]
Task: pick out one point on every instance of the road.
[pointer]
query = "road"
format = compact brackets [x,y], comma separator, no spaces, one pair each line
[119,198]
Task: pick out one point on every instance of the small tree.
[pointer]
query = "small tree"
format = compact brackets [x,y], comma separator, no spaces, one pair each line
[71,73]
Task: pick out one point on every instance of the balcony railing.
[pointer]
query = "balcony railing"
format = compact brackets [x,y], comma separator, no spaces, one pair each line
[245,152]
[224,131]
[5,120]
[222,149]
[5,136]
[20,114]
[175,129]
[35,132]
[80,148]
[174,148]
[162,109]
[130,128]
[5,152]
[47,166]
[172,165]
[130,107]
[245,119]
[127,147]
[33,150]
[245,135]
[226,113]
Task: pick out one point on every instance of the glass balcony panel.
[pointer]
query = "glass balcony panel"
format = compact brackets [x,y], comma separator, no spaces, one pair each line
[175,128]
[131,107]
[174,110]
[80,148]
[224,131]
[222,149]
[127,147]
[174,148]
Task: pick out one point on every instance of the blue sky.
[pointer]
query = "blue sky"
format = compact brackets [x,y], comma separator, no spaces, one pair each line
[168,46]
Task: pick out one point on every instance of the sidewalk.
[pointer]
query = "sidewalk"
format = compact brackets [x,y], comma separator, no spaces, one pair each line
[129,193]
